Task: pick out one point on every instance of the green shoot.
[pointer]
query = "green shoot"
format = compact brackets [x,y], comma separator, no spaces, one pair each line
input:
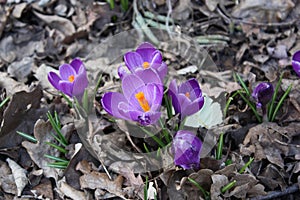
[271,105]
[281,102]
[61,149]
[165,131]
[203,191]
[27,136]
[146,148]
[67,99]
[220,147]
[228,103]
[57,128]
[58,165]
[55,158]
[146,189]
[236,75]
[4,102]
[124,5]
[228,186]
[154,137]
[111,4]
[58,139]
[168,101]
[246,165]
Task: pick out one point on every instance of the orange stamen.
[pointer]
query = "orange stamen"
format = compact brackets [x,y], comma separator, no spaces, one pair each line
[71,78]
[142,101]
[146,65]
[187,94]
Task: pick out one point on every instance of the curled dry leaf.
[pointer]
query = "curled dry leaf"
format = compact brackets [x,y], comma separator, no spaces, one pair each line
[219,181]
[69,191]
[19,175]
[42,132]
[21,69]
[7,182]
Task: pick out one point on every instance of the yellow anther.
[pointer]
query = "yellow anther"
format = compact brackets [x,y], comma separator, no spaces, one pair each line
[146,65]
[140,97]
[71,78]
[187,94]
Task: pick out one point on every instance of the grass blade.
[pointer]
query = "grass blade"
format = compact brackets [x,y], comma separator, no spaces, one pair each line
[146,189]
[243,84]
[27,136]
[228,186]
[58,165]
[61,149]
[56,158]
[281,102]
[154,137]
[4,102]
[56,128]
[251,106]
[271,106]
[246,165]
[220,147]
[204,192]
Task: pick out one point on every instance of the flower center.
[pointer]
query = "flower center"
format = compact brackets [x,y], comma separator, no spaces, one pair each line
[187,94]
[71,78]
[146,65]
[140,97]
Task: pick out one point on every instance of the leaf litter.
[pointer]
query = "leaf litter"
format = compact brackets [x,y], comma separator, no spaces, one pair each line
[38,36]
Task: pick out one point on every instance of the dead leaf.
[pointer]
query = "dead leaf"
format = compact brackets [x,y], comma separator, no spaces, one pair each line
[7,182]
[18,10]
[42,132]
[183,10]
[69,191]
[43,189]
[21,69]
[219,181]
[11,85]
[94,179]
[19,175]
[62,24]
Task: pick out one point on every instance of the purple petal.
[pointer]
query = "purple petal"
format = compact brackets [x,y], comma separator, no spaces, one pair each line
[66,71]
[156,59]
[129,85]
[263,93]
[162,71]
[296,62]
[80,83]
[54,80]
[111,101]
[188,86]
[133,61]
[77,64]
[192,108]
[145,119]
[122,72]
[66,87]
[149,76]
[146,50]
[186,148]
[172,92]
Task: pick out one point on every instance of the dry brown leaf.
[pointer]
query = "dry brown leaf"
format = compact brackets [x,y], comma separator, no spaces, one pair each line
[11,85]
[219,181]
[21,69]
[62,24]
[69,191]
[42,132]
[43,189]
[18,9]
[7,182]
[19,175]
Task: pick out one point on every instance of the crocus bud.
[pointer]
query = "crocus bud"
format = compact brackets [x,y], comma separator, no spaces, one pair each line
[296,62]
[262,94]
[186,148]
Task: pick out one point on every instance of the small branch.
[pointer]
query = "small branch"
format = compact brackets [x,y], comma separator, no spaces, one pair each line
[275,194]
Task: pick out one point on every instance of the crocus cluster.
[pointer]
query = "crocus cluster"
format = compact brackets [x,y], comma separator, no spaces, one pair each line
[72,79]
[296,62]
[141,99]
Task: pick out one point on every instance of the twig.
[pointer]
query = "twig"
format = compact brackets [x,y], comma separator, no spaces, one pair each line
[275,194]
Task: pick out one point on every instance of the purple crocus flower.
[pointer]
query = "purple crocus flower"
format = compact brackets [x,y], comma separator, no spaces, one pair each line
[186,148]
[296,62]
[263,93]
[146,56]
[72,79]
[187,98]
[141,98]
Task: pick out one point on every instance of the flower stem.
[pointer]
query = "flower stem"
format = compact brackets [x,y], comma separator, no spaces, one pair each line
[156,139]
[164,130]
[251,106]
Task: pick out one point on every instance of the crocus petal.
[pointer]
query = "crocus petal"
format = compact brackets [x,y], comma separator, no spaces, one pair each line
[130,84]
[296,62]
[110,102]
[173,93]
[79,84]
[263,93]
[149,76]
[122,72]
[66,71]
[156,59]
[133,61]
[189,86]
[77,64]
[54,80]
[66,87]
[145,50]
[162,70]
[192,108]
[186,148]
[143,118]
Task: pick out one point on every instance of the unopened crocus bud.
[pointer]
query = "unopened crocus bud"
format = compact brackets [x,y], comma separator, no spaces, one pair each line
[296,62]
[186,148]
[263,93]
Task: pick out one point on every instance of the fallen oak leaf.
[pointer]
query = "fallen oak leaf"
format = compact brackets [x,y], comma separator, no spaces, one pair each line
[19,175]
